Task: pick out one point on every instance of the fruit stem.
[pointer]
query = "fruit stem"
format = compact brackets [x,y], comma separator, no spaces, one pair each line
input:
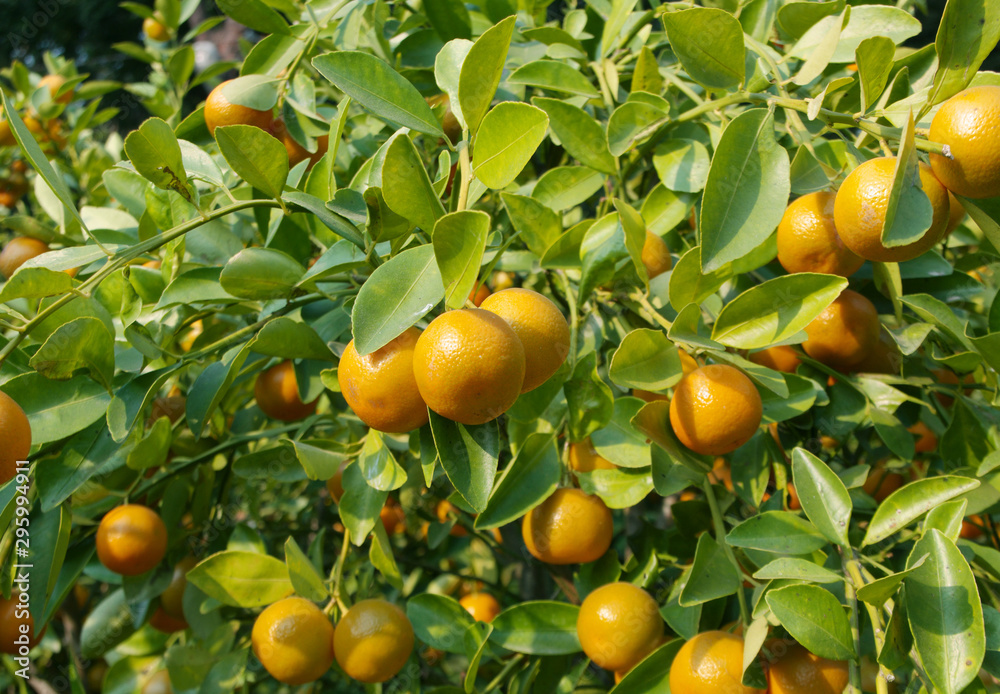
[574,319]
[853,665]
[465,166]
[720,537]
[338,572]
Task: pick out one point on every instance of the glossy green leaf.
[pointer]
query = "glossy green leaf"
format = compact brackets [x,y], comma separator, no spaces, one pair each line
[537,628]
[406,186]
[508,137]
[211,385]
[619,441]
[712,574]
[646,359]
[908,213]
[360,506]
[602,248]
[590,400]
[632,122]
[948,518]
[459,241]
[527,480]
[823,496]
[381,556]
[793,568]
[57,409]
[303,574]
[153,150]
[290,339]
[690,285]
[439,621]
[375,85]
[777,531]
[709,44]
[261,273]
[874,58]
[242,579]
[747,190]
[814,618]
[621,487]
[945,614]
[255,156]
[911,501]
[682,165]
[968,32]
[567,186]
[878,591]
[397,295]
[538,225]
[378,464]
[553,76]
[469,456]
[776,310]
[865,21]
[450,19]
[481,72]
[84,343]
[579,133]
[108,624]
[254,14]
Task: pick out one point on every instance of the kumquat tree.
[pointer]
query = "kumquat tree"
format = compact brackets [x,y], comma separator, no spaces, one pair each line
[493,347]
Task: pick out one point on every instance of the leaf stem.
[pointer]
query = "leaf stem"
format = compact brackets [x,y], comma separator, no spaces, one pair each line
[465,166]
[853,665]
[720,537]
[855,581]
[338,572]
[503,674]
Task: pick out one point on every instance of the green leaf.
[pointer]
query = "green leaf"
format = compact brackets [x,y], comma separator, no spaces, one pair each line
[795,18]
[378,465]
[646,359]
[823,496]
[945,614]
[406,186]
[450,19]
[242,579]
[554,76]
[331,220]
[619,441]
[602,249]
[590,400]
[652,674]
[481,72]
[537,224]
[817,60]
[34,283]
[153,448]
[256,156]
[380,89]
[469,456]
[527,480]
[682,165]
[880,590]
[865,21]
[802,395]
[261,273]
[709,44]
[563,187]
[211,385]
[319,463]
[509,135]
[776,310]
[439,621]
[107,625]
[580,135]
[194,287]
[814,618]
[84,343]
[712,574]
[538,628]
[967,34]
[654,421]
[49,540]
[911,501]
[780,532]
[747,190]
[381,557]
[57,409]
[360,506]
[631,122]
[397,295]
[948,518]
[689,285]
[254,14]
[619,488]
[155,153]
[908,213]
[793,568]
[611,36]
[290,339]
[303,574]
[459,242]
[874,58]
